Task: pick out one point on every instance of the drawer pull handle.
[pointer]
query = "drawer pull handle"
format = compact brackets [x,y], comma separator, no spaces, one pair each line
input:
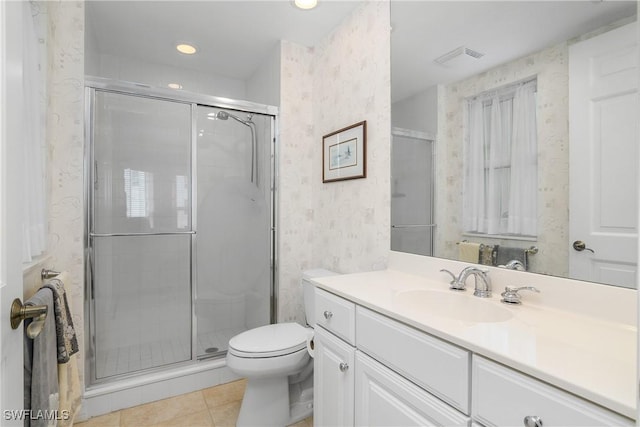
[345,366]
[532,421]
[327,314]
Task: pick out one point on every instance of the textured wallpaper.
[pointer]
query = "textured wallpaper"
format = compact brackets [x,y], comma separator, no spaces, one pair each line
[65,134]
[341,226]
[295,156]
[351,82]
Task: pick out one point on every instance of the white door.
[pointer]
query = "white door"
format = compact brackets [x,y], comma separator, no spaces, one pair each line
[333,380]
[11,365]
[604,111]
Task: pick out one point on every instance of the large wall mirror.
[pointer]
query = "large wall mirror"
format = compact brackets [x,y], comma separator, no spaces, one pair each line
[515,135]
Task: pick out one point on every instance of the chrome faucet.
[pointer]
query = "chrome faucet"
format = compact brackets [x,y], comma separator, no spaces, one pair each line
[482,285]
[515,264]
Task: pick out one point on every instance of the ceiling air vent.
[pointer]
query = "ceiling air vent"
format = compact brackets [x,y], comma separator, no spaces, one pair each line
[459,55]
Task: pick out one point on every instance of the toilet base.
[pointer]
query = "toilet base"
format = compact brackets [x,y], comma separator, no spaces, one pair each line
[275,402]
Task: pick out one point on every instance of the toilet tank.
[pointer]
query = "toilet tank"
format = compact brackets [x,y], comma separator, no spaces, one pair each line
[308,291]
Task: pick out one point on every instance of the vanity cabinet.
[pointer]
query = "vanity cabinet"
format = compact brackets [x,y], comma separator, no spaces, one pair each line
[351,386]
[502,396]
[373,370]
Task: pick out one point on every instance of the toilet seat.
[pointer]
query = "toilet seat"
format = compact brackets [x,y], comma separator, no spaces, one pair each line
[269,341]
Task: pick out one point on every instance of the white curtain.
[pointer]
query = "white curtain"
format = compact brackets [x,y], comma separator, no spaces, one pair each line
[474,156]
[500,162]
[34,223]
[523,197]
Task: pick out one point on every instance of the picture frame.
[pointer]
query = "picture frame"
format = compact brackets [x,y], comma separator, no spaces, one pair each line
[344,153]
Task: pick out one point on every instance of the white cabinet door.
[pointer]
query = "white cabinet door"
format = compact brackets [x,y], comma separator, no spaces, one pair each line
[333,378]
[384,398]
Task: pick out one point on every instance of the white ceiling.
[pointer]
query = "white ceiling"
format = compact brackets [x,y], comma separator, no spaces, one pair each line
[234,37]
[502,30]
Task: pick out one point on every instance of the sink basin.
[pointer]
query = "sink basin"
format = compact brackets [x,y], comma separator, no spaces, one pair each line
[452,305]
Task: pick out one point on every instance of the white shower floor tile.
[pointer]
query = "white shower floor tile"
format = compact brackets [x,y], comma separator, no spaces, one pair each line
[123,360]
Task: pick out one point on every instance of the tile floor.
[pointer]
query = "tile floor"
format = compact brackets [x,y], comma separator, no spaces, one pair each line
[212,407]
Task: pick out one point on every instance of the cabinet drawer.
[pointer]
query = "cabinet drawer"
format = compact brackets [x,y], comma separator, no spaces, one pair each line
[502,396]
[438,367]
[384,398]
[336,315]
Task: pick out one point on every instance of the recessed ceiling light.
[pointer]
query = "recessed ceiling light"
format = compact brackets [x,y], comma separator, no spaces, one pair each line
[175,85]
[305,4]
[187,49]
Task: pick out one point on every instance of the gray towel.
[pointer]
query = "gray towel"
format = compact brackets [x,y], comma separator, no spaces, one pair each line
[41,366]
[67,340]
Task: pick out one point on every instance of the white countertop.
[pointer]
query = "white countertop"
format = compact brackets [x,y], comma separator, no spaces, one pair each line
[587,356]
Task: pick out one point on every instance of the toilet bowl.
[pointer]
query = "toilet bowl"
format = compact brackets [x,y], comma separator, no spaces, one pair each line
[278,366]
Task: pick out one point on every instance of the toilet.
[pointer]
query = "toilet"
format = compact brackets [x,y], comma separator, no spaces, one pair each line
[278,366]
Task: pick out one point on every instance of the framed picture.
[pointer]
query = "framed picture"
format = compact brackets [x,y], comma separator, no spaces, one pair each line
[344,153]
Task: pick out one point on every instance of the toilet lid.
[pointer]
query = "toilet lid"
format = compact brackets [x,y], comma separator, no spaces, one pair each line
[270,340]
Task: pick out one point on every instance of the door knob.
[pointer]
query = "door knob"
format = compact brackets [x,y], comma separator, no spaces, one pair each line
[580,246]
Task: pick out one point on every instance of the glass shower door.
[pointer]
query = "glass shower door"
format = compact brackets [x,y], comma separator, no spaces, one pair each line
[412,193]
[234,216]
[140,233]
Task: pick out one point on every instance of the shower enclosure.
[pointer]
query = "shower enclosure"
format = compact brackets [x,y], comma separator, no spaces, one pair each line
[412,191]
[180,226]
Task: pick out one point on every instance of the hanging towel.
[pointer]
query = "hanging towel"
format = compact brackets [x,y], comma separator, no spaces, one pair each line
[506,254]
[66,334]
[69,380]
[487,254]
[41,367]
[469,252]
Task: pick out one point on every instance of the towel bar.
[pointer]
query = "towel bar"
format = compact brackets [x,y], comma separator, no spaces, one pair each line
[48,274]
[20,312]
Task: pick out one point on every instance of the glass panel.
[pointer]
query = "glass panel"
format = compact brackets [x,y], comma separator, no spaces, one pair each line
[412,195]
[142,298]
[142,155]
[413,240]
[234,219]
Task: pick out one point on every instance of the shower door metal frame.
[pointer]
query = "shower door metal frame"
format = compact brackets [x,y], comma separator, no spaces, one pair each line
[93,84]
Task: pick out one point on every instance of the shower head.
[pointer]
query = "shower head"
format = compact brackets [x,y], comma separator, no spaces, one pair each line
[223,115]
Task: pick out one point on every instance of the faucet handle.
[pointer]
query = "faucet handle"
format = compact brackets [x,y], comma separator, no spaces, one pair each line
[511,295]
[455,283]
